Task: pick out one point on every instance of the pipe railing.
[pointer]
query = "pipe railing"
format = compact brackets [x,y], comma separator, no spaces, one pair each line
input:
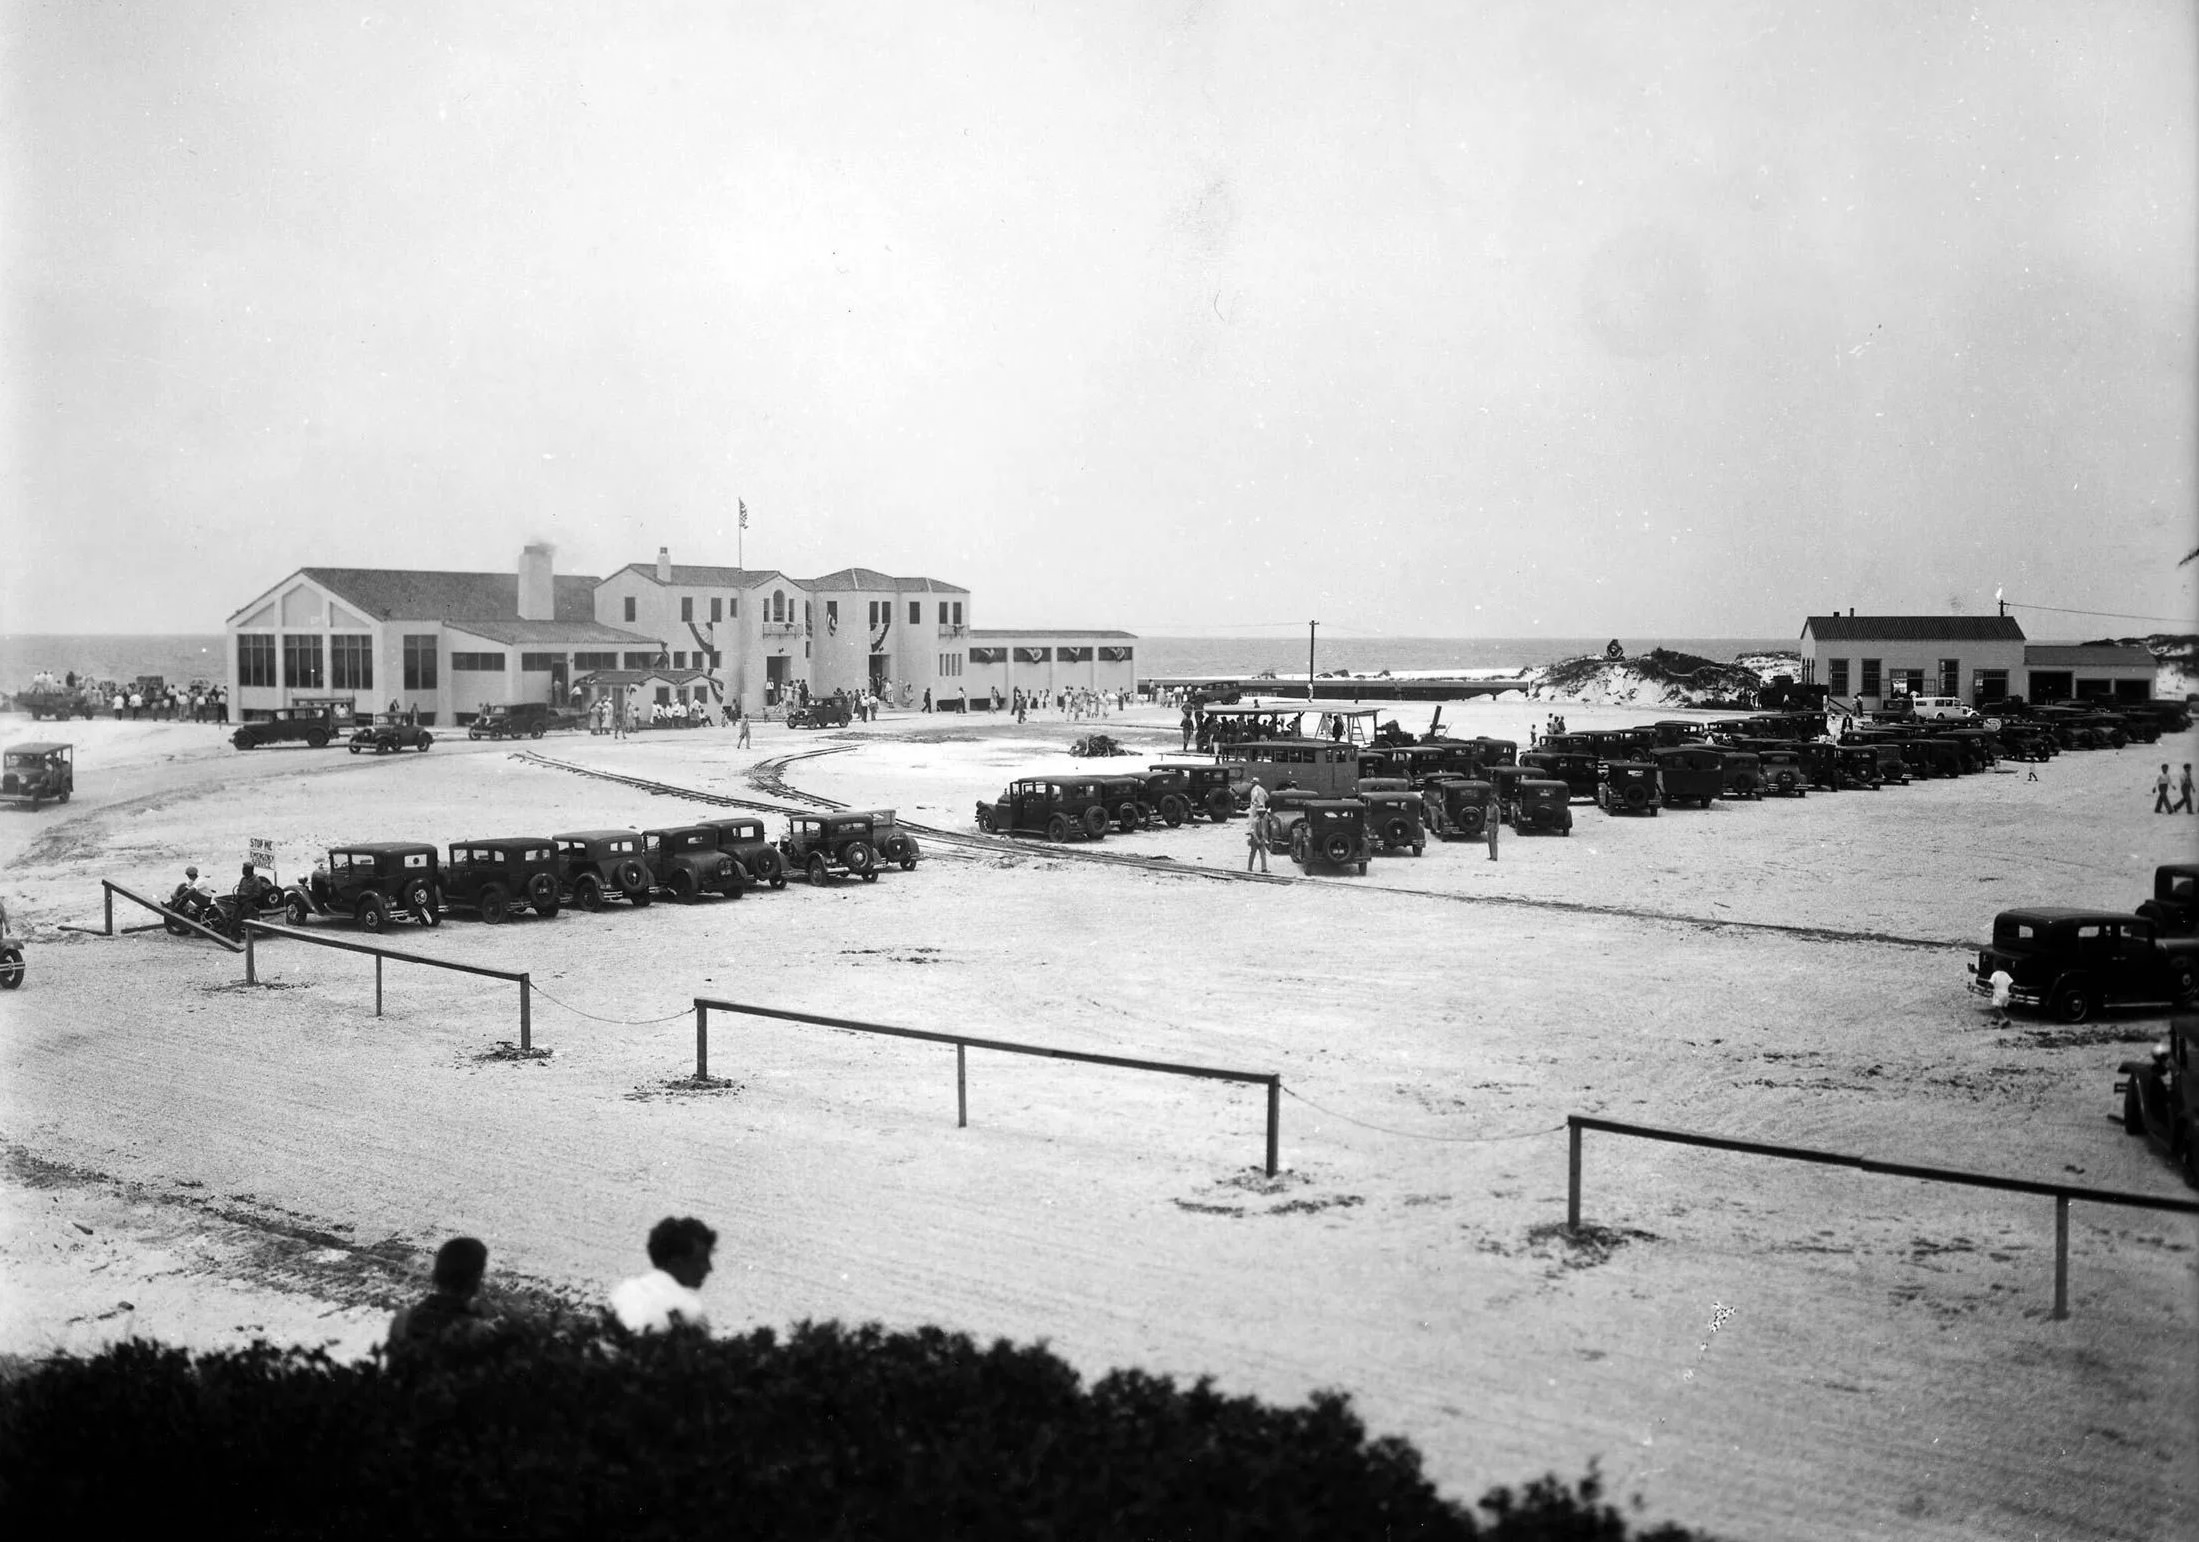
[964,1042]
[518,977]
[109,889]
[2060,1193]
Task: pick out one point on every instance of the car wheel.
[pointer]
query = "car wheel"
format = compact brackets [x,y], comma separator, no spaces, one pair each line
[174,923]
[857,857]
[496,903]
[588,892]
[681,884]
[2134,1116]
[1057,828]
[542,894]
[316,740]
[425,741]
[372,913]
[820,871]
[2072,1004]
[355,749]
[537,732]
[1173,811]
[11,968]
[296,911]
[1095,822]
[2184,986]
[1220,805]
[1397,833]
[420,899]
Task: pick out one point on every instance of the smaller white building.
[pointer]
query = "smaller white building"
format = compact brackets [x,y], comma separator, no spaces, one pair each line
[2087,672]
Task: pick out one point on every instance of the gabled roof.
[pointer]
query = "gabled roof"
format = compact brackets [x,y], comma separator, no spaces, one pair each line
[403,594]
[575,634]
[639,676]
[1064,633]
[696,576]
[2087,655]
[1913,629]
[871,578]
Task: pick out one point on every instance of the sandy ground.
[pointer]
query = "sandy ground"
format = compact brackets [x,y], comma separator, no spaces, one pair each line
[1758,1347]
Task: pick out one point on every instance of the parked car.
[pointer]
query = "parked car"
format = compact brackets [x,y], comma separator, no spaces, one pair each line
[372,882]
[1506,780]
[1393,817]
[743,839]
[1783,773]
[1691,773]
[503,876]
[892,843]
[2028,741]
[596,865]
[32,773]
[819,712]
[1457,808]
[1942,709]
[2174,908]
[1123,796]
[1541,806]
[684,862]
[1629,787]
[519,720]
[1575,768]
[1331,832]
[1055,807]
[2161,1096]
[390,731]
[1744,774]
[823,844]
[1207,790]
[1859,770]
[2071,963]
[313,727]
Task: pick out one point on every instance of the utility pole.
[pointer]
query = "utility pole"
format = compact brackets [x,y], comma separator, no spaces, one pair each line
[1310,625]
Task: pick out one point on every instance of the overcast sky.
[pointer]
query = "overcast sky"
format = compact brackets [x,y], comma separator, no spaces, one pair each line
[1663,319]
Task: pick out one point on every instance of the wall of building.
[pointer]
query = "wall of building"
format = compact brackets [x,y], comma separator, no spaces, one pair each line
[1972,657]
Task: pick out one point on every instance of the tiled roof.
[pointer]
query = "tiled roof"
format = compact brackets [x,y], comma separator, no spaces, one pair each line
[575,634]
[1913,628]
[401,594]
[871,578]
[1009,634]
[694,576]
[637,676]
[2087,656]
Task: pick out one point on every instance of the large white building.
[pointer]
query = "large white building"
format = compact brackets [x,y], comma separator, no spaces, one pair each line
[1866,660]
[446,644]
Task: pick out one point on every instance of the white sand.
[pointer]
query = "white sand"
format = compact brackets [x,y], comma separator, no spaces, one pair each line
[1887,1367]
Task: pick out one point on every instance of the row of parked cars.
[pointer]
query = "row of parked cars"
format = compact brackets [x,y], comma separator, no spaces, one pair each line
[376,882]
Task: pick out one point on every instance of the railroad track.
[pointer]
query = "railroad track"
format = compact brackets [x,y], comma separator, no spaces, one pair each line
[768,776]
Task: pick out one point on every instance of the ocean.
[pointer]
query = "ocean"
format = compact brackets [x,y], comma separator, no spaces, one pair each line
[189,655]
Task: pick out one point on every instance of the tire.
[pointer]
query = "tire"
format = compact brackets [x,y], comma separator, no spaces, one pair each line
[425,741]
[588,892]
[174,924]
[420,900]
[1095,822]
[681,883]
[632,878]
[11,968]
[1126,818]
[496,903]
[1744,786]
[985,822]
[295,910]
[1635,796]
[1469,822]
[640,899]
[316,740]
[542,894]
[820,871]
[2134,1117]
[767,868]
[1058,828]
[2184,986]
[1336,850]
[1397,832]
[355,749]
[473,732]
[1220,805]
[858,857]
[2071,1004]
[372,913]
[537,733]
[1174,810]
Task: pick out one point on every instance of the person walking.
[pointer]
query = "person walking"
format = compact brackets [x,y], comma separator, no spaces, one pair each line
[741,718]
[1188,727]
[2183,792]
[2160,791]
[927,698]
[668,1295]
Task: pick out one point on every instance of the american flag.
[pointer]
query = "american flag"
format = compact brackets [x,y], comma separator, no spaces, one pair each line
[744,512]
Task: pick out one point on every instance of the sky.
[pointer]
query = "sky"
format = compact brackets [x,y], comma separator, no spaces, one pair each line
[1510,318]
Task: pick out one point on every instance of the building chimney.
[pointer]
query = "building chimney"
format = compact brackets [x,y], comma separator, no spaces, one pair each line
[537,589]
[664,564]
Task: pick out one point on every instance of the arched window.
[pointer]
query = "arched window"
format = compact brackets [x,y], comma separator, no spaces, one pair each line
[778,604]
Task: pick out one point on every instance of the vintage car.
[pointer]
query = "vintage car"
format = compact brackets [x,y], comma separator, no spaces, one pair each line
[1782,772]
[1541,806]
[1672,732]
[2071,963]
[1369,784]
[313,727]
[820,712]
[32,773]
[743,839]
[2161,1096]
[2174,908]
[502,876]
[1285,810]
[1979,749]
[2021,740]
[1893,766]
[1457,808]
[1744,774]
[1575,768]
[1628,787]
[57,701]
[1055,807]
[1506,780]
[11,959]
[684,862]
[1167,791]
[822,844]
[1393,819]
[519,720]
[1689,773]
[892,843]
[1123,796]
[1859,768]
[371,882]
[595,865]
[390,731]
[1207,790]
[1330,832]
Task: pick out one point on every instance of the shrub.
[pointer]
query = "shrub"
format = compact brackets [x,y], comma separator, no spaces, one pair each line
[830,1432]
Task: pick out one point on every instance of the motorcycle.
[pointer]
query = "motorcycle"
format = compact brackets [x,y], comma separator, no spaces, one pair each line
[190,904]
[225,914]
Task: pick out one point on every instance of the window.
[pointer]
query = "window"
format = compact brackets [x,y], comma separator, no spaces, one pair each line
[1990,685]
[351,662]
[716,607]
[478,663]
[733,607]
[942,613]
[808,613]
[679,661]
[832,615]
[716,658]
[640,661]
[950,665]
[778,605]
[988,655]
[1870,683]
[541,663]
[595,661]
[629,607]
[1836,676]
[687,607]
[916,613]
[420,662]
[255,660]
[664,694]
[1910,680]
[957,612]
[302,661]
[1950,677]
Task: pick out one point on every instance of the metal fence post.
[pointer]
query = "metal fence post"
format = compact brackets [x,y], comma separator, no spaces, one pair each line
[107,893]
[2061,1256]
[1573,1174]
[377,985]
[251,971]
[961,1087]
[1274,1110]
[526,1012]
[702,1042]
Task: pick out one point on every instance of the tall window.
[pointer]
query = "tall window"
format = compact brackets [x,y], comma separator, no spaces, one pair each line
[916,613]
[629,607]
[1950,677]
[1870,678]
[778,606]
[717,607]
[1836,676]
[832,613]
[477,663]
[809,612]
[942,613]
[302,661]
[687,607]
[351,662]
[255,659]
[420,662]
[957,612]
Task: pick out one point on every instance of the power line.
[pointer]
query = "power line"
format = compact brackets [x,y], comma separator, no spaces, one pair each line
[2112,615]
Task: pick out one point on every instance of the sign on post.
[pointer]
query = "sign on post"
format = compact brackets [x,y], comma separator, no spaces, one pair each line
[260,853]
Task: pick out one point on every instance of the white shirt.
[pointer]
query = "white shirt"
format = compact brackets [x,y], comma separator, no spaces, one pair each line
[649,1303]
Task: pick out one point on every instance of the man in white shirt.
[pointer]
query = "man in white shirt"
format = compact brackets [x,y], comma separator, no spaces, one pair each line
[668,1295]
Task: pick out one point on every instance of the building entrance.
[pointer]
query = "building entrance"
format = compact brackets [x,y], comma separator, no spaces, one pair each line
[777,670]
[880,664]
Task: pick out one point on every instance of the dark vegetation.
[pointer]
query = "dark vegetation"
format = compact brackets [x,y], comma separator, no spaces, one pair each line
[1666,666]
[829,1432]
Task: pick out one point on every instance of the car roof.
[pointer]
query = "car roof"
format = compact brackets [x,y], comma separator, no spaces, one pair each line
[689,829]
[1334,805]
[2186,869]
[384,848]
[731,819]
[595,835]
[2049,914]
[507,842]
[39,747]
[870,813]
[1541,781]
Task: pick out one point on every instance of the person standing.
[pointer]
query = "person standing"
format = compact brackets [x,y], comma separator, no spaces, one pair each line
[2160,791]
[1188,727]
[927,698]
[668,1295]
[1492,820]
[2183,792]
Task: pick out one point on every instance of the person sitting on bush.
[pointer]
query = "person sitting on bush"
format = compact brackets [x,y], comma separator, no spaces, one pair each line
[667,1296]
[449,1309]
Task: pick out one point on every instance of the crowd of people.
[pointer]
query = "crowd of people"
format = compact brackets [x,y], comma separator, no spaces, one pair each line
[200,701]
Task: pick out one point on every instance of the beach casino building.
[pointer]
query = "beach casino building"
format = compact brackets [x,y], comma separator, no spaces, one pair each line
[445,645]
